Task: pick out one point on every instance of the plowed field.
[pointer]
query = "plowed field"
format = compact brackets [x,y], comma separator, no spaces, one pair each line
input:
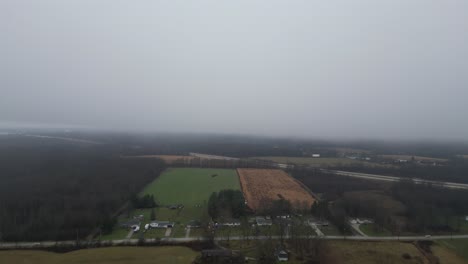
[262,185]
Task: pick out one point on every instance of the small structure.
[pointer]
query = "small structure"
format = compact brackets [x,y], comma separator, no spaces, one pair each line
[230,223]
[262,221]
[161,224]
[281,255]
[318,222]
[466,218]
[315,155]
[135,228]
[175,206]
[129,223]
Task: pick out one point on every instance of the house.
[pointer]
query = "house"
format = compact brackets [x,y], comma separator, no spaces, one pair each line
[318,222]
[315,155]
[262,221]
[129,223]
[466,218]
[175,206]
[281,255]
[230,222]
[161,224]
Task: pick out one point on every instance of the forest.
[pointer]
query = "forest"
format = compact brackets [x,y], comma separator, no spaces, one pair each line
[51,190]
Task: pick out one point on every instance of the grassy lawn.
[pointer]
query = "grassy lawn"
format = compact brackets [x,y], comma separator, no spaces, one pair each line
[330,230]
[317,161]
[118,233]
[154,233]
[229,231]
[114,255]
[459,246]
[372,230]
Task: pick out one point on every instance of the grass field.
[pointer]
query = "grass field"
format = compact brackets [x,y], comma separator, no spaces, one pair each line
[372,252]
[459,246]
[112,255]
[319,162]
[190,186]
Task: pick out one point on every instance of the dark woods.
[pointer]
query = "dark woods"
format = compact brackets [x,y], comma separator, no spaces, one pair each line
[62,192]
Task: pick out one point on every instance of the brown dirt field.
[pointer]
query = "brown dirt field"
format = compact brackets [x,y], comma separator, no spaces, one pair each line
[259,185]
[373,252]
[446,256]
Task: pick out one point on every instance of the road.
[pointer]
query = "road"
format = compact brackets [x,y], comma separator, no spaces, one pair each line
[124,242]
[451,185]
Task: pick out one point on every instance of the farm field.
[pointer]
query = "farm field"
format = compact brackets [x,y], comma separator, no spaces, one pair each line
[269,184]
[372,252]
[130,255]
[409,157]
[458,246]
[319,161]
[190,186]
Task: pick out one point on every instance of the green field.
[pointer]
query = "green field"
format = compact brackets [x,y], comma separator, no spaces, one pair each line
[189,186]
[114,255]
[318,161]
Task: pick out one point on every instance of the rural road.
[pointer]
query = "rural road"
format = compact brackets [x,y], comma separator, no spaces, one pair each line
[451,185]
[126,242]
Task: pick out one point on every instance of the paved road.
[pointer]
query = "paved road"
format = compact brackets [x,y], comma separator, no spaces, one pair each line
[452,185]
[49,244]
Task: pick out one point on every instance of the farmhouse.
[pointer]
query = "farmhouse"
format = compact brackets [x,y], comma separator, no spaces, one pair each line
[161,224]
[318,222]
[281,255]
[230,222]
[130,223]
[262,221]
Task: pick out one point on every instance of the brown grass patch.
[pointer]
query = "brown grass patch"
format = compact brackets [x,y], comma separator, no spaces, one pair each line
[261,185]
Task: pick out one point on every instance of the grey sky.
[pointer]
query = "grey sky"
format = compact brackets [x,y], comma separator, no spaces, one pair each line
[376,69]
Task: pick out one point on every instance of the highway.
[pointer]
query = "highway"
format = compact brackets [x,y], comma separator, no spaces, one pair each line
[182,240]
[451,185]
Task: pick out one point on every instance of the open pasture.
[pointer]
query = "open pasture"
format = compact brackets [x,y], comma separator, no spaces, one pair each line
[114,255]
[260,185]
[190,186]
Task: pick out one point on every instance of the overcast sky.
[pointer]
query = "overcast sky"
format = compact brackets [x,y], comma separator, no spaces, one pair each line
[354,69]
